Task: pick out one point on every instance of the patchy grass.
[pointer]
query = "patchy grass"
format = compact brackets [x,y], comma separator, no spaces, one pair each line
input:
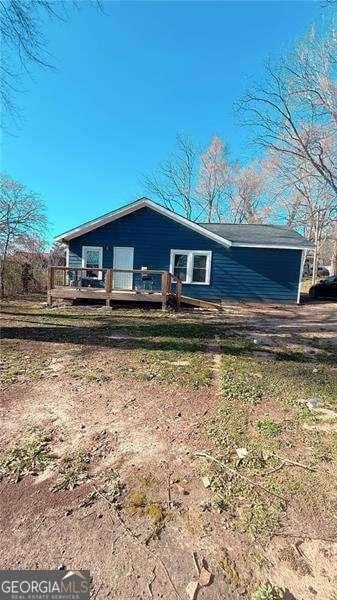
[268,591]
[18,364]
[322,445]
[72,470]
[245,507]
[263,412]
[260,519]
[155,345]
[96,376]
[268,427]
[230,425]
[181,368]
[251,379]
[31,458]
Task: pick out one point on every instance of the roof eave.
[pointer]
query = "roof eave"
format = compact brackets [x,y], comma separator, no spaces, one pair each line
[142,203]
[275,246]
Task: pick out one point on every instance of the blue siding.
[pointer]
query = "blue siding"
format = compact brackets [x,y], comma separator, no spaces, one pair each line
[236,274]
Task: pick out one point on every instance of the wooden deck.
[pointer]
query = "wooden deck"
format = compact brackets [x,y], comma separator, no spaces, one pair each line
[65,283]
[75,293]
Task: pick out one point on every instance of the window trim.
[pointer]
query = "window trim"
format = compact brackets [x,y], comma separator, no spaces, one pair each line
[189,271]
[84,266]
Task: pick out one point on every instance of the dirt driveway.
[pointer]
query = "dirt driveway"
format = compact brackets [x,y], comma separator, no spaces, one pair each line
[104,415]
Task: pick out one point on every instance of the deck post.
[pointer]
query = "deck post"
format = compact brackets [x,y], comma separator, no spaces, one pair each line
[108,286]
[50,285]
[179,287]
[165,288]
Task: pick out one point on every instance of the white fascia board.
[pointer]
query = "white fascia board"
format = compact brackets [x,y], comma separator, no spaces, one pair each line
[95,223]
[275,246]
[122,212]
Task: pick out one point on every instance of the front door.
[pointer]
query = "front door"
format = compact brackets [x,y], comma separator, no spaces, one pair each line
[123,259]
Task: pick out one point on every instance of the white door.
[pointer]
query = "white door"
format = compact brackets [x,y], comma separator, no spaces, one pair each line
[123,259]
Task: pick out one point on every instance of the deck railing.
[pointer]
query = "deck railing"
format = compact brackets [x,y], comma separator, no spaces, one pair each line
[106,281]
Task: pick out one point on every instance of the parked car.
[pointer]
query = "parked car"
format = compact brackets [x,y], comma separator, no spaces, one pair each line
[326,288]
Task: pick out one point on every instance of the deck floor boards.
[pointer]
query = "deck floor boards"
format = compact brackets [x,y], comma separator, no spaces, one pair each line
[101,294]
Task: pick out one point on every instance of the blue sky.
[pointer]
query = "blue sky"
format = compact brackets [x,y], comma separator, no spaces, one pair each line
[126,82]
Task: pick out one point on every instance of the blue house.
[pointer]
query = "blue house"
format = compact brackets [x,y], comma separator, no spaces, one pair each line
[215,261]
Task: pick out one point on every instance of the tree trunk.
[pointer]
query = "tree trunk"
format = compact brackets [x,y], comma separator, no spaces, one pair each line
[334,252]
[3,268]
[2,278]
[317,239]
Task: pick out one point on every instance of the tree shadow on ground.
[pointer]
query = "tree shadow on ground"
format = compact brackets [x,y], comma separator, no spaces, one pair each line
[168,336]
[153,337]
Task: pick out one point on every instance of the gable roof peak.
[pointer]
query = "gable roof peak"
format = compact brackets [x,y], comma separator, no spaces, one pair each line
[225,234]
[132,207]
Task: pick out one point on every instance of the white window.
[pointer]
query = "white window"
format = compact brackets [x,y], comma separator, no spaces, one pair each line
[92,258]
[191,266]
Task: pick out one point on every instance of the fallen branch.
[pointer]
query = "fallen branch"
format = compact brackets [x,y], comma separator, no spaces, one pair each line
[194,556]
[304,537]
[271,471]
[285,462]
[169,490]
[149,585]
[138,542]
[296,464]
[238,474]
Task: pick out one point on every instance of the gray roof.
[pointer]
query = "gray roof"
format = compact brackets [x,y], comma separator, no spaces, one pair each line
[259,235]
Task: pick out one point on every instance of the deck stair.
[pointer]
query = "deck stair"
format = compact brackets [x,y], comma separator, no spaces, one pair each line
[200,303]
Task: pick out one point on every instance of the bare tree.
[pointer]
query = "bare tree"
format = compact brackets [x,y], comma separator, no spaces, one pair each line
[214,181]
[29,260]
[23,43]
[248,202]
[57,254]
[294,112]
[21,216]
[294,116]
[174,180]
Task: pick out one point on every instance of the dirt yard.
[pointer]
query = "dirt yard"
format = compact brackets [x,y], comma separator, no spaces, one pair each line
[162,449]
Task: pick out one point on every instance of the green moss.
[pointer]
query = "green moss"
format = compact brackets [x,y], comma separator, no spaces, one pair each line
[227,566]
[146,480]
[155,512]
[138,499]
